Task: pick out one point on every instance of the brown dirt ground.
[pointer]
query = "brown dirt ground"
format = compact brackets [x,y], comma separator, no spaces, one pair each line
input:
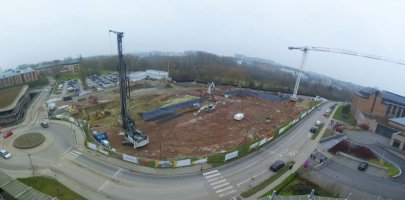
[208,133]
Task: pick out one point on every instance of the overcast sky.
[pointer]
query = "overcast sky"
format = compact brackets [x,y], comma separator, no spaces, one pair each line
[41,30]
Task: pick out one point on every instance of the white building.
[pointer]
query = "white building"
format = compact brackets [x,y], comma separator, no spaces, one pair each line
[149,74]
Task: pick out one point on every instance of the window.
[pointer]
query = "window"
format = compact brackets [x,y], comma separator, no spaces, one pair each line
[399,112]
[394,110]
[388,109]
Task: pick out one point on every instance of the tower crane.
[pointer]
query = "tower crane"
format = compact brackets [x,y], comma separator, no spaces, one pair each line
[132,134]
[332,50]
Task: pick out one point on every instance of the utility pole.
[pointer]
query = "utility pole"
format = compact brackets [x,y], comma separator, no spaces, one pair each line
[32,166]
[161,144]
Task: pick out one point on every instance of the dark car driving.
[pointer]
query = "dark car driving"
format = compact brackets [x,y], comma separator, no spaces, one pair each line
[277,165]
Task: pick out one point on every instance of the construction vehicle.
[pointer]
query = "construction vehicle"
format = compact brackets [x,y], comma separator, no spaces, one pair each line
[208,93]
[102,138]
[207,108]
[132,134]
[102,114]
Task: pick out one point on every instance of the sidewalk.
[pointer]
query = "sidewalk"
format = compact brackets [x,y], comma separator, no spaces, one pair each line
[304,154]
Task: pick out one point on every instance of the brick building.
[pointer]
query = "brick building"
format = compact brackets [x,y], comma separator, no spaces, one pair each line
[377,103]
[11,77]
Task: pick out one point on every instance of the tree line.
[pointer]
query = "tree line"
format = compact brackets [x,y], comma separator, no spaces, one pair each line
[206,67]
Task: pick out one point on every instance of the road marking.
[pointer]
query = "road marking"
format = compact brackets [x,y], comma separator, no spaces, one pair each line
[224,189]
[218,182]
[69,156]
[227,193]
[78,152]
[68,149]
[215,178]
[73,154]
[252,177]
[221,185]
[213,175]
[101,187]
[116,173]
[211,172]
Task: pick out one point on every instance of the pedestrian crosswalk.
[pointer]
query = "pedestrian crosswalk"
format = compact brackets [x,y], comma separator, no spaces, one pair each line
[71,154]
[293,153]
[219,184]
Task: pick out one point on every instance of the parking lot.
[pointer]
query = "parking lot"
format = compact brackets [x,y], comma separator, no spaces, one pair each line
[101,82]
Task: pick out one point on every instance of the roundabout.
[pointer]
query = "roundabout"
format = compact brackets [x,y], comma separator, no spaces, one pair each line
[29,140]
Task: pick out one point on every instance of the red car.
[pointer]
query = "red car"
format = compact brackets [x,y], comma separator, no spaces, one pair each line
[8,134]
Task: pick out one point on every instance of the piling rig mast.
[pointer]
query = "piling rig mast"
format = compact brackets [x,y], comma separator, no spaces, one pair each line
[132,134]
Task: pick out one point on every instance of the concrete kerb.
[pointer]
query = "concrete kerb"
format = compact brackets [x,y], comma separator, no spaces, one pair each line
[391,162]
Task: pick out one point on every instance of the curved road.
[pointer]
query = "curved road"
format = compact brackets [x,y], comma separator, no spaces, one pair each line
[95,179]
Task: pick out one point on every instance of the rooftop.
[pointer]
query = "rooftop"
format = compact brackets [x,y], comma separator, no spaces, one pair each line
[10,97]
[400,121]
[12,72]
[58,63]
[387,97]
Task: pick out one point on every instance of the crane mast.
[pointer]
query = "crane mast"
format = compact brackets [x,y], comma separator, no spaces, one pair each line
[132,134]
[332,50]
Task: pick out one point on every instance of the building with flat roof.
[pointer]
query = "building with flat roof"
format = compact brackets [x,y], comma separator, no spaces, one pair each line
[13,77]
[378,103]
[62,66]
[13,112]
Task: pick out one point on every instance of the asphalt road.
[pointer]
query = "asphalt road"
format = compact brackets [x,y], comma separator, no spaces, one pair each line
[363,181]
[98,180]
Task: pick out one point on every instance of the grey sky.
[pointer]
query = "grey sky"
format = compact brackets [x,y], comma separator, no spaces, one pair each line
[40,30]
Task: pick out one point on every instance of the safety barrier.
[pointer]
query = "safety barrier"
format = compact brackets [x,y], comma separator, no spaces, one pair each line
[259,94]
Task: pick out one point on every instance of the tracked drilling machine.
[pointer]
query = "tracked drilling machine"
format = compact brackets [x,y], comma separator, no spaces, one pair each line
[132,134]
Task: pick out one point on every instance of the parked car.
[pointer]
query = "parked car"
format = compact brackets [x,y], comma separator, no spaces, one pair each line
[5,154]
[8,134]
[312,130]
[363,166]
[317,123]
[277,165]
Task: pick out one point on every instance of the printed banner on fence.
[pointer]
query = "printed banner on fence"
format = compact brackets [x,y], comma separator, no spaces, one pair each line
[200,161]
[182,163]
[303,115]
[163,163]
[231,155]
[253,146]
[129,158]
[281,130]
[270,138]
[295,121]
[104,152]
[263,141]
[92,146]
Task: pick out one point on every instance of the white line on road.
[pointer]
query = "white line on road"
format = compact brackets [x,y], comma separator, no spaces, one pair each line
[213,175]
[77,152]
[227,193]
[219,186]
[101,187]
[116,173]
[211,172]
[252,177]
[218,182]
[215,179]
[224,189]
[69,156]
[68,149]
[72,154]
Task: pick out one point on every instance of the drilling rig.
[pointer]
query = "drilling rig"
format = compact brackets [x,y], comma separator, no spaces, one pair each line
[132,134]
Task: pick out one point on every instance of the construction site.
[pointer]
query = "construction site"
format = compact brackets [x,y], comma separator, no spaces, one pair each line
[183,119]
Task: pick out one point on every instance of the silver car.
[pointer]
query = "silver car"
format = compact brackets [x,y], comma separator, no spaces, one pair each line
[5,154]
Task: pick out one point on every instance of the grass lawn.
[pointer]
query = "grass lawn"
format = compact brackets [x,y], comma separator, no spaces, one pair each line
[8,95]
[65,77]
[392,170]
[51,187]
[348,118]
[266,182]
[313,103]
